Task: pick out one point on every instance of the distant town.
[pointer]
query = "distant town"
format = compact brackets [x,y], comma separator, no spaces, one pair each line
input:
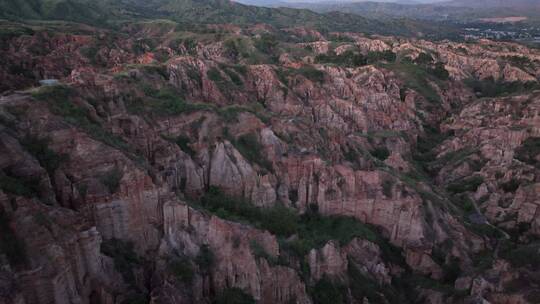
[498,32]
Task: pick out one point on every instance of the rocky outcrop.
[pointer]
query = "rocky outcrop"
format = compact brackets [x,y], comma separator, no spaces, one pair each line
[186,230]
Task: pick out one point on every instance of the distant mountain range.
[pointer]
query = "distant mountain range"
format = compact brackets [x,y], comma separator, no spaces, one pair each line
[462,3]
[111,12]
[495,3]
[458,10]
[277,3]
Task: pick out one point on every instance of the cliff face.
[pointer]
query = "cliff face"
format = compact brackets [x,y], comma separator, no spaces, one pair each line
[148,175]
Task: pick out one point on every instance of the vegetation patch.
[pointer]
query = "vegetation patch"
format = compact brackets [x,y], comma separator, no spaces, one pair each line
[16,185]
[236,48]
[181,268]
[385,56]
[380,153]
[234,73]
[327,291]
[521,62]
[60,100]
[529,152]
[278,219]
[167,102]
[433,165]
[363,287]
[124,257]
[520,255]
[310,73]
[267,44]
[464,202]
[183,142]
[466,185]
[511,186]
[417,78]
[205,259]
[112,179]
[259,252]
[10,245]
[249,146]
[233,295]
[39,148]
[214,74]
[387,187]
[496,88]
[311,230]
[348,58]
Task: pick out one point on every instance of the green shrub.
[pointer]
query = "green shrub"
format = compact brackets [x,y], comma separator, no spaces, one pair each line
[362,287]
[350,154]
[486,230]
[381,153]
[230,113]
[417,78]
[259,252]
[511,186]
[464,202]
[311,229]
[19,186]
[59,99]
[439,71]
[191,45]
[452,158]
[165,101]
[249,146]
[466,185]
[315,231]
[340,38]
[521,62]
[529,151]
[194,74]
[280,220]
[374,57]
[348,58]
[520,255]
[451,271]
[112,179]
[326,291]
[135,298]
[184,143]
[311,73]
[233,296]
[283,75]
[155,69]
[266,44]
[234,76]
[10,244]
[181,268]
[424,59]
[90,52]
[232,47]
[214,74]
[39,148]
[387,186]
[495,88]
[124,257]
[205,259]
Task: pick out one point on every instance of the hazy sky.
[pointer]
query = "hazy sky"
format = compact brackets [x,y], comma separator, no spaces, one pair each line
[277,2]
[312,1]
